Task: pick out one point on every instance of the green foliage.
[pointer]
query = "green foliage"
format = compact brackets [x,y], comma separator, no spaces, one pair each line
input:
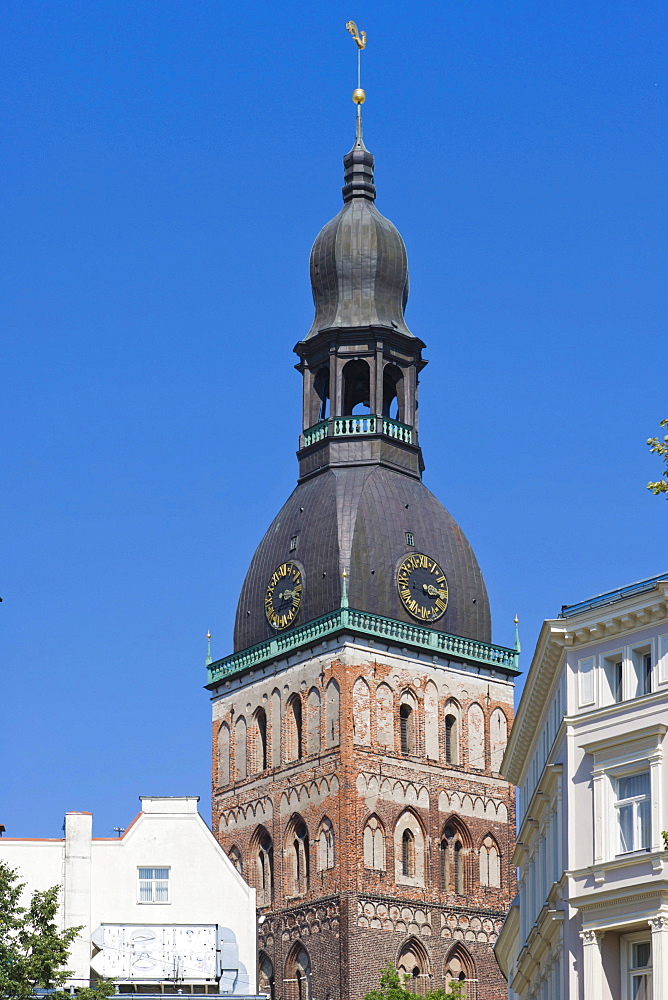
[660,448]
[665,839]
[33,952]
[393,987]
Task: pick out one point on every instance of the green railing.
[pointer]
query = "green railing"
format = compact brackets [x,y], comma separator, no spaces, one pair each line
[356,426]
[394,632]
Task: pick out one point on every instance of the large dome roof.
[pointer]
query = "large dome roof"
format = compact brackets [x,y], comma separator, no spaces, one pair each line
[356,519]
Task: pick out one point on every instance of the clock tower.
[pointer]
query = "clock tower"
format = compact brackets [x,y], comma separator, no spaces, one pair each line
[359,724]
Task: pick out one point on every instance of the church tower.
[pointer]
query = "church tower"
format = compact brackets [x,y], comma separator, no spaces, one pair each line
[359,725]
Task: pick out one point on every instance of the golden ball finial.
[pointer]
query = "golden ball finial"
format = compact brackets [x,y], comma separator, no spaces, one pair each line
[359,95]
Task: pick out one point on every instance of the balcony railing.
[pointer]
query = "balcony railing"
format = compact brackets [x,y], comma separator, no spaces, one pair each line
[355,426]
[393,632]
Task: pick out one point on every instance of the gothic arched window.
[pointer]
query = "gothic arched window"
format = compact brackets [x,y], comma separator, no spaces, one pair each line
[454,850]
[326,845]
[413,964]
[240,748]
[234,855]
[297,857]
[361,712]
[374,844]
[490,863]
[452,728]
[313,722]
[294,744]
[409,850]
[476,727]
[257,749]
[264,866]
[224,754]
[333,697]
[266,983]
[460,968]
[298,973]
[407,854]
[407,727]
[498,737]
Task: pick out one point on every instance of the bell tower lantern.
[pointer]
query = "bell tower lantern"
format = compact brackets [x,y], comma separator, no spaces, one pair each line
[359,361]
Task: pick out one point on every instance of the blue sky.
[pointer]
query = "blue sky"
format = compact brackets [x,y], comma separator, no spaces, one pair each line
[167,167]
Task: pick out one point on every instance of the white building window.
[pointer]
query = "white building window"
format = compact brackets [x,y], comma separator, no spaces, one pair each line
[633,812]
[613,668]
[641,680]
[638,971]
[663,659]
[628,792]
[153,885]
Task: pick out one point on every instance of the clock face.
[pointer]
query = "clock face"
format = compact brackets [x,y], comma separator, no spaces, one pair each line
[422,587]
[284,595]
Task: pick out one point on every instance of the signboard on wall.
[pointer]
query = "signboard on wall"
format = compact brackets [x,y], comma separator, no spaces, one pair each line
[156,952]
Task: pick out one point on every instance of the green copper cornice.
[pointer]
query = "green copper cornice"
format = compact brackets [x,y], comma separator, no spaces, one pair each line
[394,633]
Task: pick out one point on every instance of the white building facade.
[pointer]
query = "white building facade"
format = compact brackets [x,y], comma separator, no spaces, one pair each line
[589,753]
[162,907]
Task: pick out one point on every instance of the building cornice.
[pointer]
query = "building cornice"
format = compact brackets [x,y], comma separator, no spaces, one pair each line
[348,621]
[628,614]
[535,699]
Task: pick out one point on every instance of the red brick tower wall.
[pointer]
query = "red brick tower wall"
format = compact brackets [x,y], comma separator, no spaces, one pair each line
[383,850]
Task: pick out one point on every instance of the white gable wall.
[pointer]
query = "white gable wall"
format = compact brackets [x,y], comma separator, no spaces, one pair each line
[101,886]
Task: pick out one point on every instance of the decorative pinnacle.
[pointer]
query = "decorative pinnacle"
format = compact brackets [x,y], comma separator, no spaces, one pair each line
[344,589]
[518,648]
[208,648]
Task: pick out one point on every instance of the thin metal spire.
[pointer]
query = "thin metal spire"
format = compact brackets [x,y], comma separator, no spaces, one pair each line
[208,649]
[359,95]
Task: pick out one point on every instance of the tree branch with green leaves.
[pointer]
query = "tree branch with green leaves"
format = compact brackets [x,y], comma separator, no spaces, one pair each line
[33,951]
[393,987]
[660,447]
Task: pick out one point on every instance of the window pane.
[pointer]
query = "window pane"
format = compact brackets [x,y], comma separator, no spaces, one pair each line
[161,892]
[640,953]
[145,892]
[626,828]
[145,873]
[641,987]
[635,784]
[161,873]
[644,824]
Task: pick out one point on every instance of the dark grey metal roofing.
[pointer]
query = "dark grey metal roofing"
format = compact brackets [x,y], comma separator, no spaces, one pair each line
[611,596]
[356,518]
[359,267]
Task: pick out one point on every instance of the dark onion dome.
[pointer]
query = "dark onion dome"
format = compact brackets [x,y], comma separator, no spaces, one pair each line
[356,519]
[359,267]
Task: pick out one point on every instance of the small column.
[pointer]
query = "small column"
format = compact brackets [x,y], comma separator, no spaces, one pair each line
[335,384]
[659,925]
[601,831]
[410,415]
[307,397]
[377,382]
[593,964]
